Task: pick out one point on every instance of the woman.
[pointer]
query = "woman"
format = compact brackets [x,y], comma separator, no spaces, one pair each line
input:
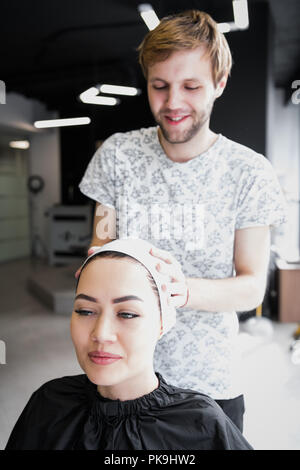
[120,311]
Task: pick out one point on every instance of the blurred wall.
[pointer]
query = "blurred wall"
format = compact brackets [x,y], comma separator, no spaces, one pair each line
[43,157]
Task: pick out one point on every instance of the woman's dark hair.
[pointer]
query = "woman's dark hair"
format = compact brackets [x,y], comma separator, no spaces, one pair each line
[119,255]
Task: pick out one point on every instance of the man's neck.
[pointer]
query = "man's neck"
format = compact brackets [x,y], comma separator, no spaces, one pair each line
[188,150]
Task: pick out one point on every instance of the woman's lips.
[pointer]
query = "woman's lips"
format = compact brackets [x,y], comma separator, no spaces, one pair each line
[103,358]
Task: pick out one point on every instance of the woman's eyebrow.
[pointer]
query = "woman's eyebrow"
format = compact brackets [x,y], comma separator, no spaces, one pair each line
[125,298]
[115,301]
[86,297]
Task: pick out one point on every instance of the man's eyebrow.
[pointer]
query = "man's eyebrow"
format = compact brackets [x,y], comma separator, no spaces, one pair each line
[115,301]
[192,80]
[154,79]
[157,79]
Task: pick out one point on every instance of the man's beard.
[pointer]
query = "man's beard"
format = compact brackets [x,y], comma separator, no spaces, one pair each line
[182,137]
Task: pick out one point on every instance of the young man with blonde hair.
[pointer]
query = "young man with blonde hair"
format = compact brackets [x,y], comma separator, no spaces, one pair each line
[202,199]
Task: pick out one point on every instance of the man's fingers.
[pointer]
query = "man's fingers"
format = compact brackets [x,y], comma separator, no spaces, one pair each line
[177,301]
[175,286]
[179,290]
[161,254]
[171,271]
[90,252]
[174,289]
[77,273]
[163,269]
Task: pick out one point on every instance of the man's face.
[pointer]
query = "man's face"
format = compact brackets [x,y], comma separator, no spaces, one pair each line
[181,94]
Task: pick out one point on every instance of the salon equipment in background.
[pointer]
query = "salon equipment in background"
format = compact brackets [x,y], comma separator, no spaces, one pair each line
[258,325]
[288,291]
[295,347]
[36,184]
[289,302]
[70,234]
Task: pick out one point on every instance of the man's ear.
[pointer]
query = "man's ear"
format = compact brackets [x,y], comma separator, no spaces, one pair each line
[221,86]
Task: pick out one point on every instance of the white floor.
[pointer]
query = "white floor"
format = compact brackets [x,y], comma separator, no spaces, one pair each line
[38,348]
[272,390]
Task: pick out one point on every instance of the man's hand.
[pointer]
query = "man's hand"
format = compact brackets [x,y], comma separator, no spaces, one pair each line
[173,277]
[244,291]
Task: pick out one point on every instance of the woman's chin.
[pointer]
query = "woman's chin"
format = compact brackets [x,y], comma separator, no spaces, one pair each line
[104,378]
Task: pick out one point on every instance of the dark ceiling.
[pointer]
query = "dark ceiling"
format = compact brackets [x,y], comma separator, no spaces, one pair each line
[54,50]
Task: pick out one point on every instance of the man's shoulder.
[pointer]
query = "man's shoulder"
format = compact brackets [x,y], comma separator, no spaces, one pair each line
[240,154]
[133,137]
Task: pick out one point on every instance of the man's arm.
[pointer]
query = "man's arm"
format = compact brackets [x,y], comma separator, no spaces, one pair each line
[243,292]
[246,290]
[104,228]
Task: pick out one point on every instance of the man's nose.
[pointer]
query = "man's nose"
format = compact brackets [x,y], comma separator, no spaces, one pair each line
[104,330]
[173,100]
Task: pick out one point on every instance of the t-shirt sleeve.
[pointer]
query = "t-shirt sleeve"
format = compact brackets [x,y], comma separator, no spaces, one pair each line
[261,201]
[98,182]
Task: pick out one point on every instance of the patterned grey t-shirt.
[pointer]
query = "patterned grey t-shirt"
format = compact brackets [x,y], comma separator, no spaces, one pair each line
[191,209]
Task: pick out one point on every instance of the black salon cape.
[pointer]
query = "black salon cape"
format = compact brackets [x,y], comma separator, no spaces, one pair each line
[69,413]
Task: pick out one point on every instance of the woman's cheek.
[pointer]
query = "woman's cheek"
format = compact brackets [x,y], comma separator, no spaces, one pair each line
[79,332]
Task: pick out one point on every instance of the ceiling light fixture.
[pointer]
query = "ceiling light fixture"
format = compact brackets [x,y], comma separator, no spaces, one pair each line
[19,144]
[119,90]
[224,27]
[240,13]
[62,122]
[149,16]
[90,97]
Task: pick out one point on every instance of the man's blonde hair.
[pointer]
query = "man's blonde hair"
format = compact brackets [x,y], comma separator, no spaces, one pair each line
[187,30]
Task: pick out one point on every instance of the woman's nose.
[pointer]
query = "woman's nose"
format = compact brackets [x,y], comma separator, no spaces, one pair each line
[104,329]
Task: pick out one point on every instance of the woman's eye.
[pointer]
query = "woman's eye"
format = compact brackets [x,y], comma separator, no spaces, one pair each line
[160,87]
[127,315]
[84,312]
[191,88]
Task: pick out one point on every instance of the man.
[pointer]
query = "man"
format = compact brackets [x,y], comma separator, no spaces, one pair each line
[202,199]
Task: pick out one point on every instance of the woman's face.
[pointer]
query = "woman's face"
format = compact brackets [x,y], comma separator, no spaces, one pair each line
[115,322]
